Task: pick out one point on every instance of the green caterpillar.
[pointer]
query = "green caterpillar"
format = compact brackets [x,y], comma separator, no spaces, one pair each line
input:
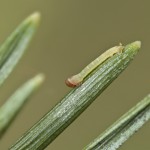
[77,79]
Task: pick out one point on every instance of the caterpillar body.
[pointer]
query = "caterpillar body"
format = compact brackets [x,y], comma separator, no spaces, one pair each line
[77,79]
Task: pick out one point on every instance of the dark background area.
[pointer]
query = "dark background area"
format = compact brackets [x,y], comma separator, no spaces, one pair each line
[72,33]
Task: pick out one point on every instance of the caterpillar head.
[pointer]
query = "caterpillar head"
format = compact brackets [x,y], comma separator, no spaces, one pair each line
[73,81]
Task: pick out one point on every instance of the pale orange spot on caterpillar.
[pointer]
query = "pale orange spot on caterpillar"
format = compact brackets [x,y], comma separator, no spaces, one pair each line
[70,83]
[77,79]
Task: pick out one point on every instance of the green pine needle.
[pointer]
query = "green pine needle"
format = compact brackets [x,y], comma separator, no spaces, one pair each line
[13,48]
[12,106]
[124,128]
[76,101]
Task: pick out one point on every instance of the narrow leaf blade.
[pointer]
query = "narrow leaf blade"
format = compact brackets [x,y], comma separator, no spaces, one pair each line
[12,106]
[76,101]
[13,48]
[124,128]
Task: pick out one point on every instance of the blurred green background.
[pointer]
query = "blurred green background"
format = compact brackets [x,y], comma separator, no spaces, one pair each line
[73,33]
